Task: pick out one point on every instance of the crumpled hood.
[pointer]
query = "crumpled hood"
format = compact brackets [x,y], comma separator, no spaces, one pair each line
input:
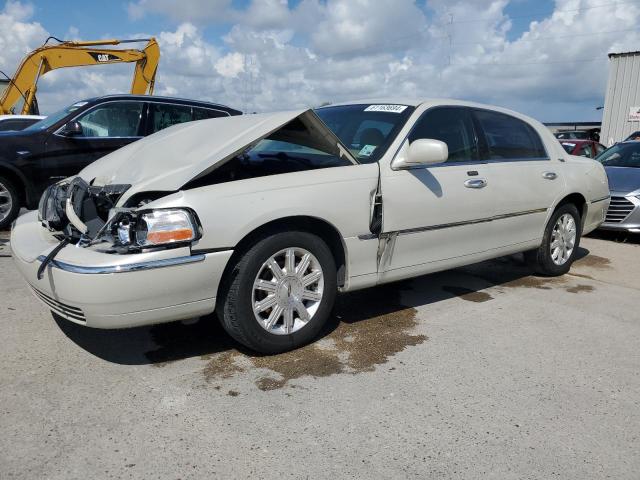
[623,179]
[167,160]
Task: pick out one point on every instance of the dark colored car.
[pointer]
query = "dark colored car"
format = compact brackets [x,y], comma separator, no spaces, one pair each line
[583,148]
[592,134]
[18,122]
[633,136]
[67,141]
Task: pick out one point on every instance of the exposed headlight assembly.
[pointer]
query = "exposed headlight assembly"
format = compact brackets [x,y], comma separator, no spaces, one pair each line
[153,228]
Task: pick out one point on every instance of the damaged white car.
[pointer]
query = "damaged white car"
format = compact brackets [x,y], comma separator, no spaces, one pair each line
[264,218]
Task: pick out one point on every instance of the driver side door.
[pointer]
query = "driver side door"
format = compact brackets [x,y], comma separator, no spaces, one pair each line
[436,217]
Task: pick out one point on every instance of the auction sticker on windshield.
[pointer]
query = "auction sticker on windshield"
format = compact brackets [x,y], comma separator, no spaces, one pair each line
[386,108]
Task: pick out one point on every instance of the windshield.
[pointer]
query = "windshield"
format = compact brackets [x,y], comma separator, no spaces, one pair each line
[633,136]
[621,155]
[55,117]
[367,130]
[568,147]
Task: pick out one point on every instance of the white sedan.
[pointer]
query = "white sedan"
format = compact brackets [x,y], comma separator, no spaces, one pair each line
[264,218]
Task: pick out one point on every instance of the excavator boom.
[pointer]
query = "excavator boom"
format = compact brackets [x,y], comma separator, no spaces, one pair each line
[24,83]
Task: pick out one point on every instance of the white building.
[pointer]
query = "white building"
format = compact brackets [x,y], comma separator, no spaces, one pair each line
[622,102]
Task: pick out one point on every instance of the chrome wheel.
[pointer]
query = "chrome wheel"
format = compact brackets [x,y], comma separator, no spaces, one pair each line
[6,202]
[563,239]
[287,291]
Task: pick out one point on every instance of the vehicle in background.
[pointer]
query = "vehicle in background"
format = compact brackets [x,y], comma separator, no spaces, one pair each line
[65,142]
[578,135]
[18,122]
[634,136]
[622,164]
[583,148]
[265,217]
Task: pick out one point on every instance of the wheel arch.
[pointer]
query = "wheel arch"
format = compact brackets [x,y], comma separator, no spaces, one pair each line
[579,201]
[18,180]
[317,226]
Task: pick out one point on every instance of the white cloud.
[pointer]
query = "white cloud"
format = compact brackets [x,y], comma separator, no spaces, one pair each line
[231,65]
[17,35]
[277,56]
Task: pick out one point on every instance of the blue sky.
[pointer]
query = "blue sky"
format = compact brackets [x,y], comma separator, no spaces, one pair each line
[96,20]
[545,58]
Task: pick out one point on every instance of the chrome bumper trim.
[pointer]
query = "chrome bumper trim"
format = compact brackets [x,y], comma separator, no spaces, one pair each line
[133,267]
[601,199]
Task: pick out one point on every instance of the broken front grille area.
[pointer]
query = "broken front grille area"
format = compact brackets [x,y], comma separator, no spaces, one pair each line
[67,311]
[90,207]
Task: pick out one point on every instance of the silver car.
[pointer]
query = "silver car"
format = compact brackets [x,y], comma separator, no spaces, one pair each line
[622,164]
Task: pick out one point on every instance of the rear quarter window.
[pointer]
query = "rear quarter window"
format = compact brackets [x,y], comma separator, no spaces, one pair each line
[204,113]
[509,138]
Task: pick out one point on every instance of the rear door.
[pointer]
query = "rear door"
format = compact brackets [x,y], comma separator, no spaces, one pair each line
[525,179]
[437,214]
[105,128]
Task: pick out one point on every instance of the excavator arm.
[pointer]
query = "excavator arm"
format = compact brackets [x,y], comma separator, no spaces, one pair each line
[75,54]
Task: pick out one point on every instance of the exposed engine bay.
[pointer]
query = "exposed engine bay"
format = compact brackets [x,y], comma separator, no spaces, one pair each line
[77,210]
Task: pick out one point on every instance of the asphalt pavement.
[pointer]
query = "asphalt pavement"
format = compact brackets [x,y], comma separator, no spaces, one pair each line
[480,372]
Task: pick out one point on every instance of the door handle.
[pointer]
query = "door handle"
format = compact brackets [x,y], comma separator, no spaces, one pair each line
[549,175]
[475,183]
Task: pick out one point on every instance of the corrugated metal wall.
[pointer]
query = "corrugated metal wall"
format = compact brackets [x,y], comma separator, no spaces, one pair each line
[623,92]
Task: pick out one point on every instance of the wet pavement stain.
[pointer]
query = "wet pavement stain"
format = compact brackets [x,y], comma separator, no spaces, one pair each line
[540,283]
[594,261]
[366,329]
[580,289]
[223,366]
[468,294]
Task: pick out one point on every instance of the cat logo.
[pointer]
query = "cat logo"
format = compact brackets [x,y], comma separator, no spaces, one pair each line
[104,57]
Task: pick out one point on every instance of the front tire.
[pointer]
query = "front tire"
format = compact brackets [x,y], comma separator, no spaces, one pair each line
[280,292]
[559,244]
[9,203]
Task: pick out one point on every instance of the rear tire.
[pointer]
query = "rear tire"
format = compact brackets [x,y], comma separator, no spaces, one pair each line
[9,203]
[559,244]
[267,302]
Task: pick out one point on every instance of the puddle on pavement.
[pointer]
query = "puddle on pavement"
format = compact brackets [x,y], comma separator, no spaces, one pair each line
[594,261]
[367,328]
[580,289]
[468,294]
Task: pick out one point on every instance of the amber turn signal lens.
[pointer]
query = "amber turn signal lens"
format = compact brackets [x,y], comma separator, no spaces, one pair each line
[170,236]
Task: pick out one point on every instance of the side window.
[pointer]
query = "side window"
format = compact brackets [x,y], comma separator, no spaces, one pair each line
[452,126]
[8,125]
[204,113]
[164,115]
[116,119]
[509,138]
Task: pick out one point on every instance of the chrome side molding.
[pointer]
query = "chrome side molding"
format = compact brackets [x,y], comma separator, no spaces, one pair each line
[133,267]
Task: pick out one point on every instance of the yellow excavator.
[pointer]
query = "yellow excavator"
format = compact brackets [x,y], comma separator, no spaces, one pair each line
[24,84]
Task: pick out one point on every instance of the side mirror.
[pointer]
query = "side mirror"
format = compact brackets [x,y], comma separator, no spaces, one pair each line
[421,153]
[71,129]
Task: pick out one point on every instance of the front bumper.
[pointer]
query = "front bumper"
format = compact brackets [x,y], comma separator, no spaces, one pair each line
[116,291]
[623,213]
